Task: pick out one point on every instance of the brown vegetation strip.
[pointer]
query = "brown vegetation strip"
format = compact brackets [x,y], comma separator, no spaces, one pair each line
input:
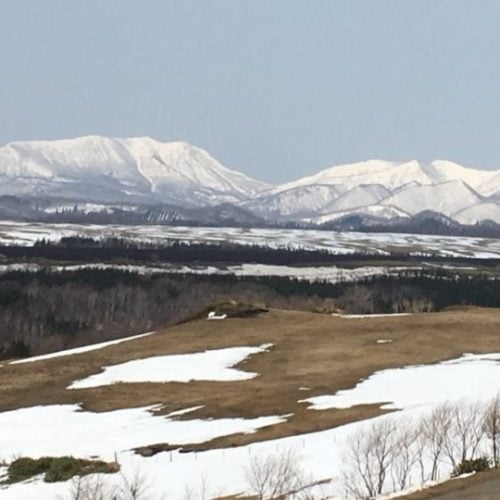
[480,486]
[321,352]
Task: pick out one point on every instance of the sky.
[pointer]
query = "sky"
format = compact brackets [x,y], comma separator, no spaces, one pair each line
[277,89]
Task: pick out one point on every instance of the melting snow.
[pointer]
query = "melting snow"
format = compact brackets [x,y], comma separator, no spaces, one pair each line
[344,243]
[213,365]
[57,430]
[413,386]
[368,316]
[66,430]
[79,350]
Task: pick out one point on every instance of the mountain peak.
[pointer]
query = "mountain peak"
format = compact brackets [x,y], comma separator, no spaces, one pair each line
[106,168]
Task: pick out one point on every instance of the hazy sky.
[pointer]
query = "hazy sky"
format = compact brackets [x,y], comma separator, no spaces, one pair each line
[275,88]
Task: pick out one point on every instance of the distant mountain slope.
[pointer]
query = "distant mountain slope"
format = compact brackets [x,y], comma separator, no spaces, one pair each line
[446,198]
[105,169]
[105,178]
[298,202]
[358,196]
[389,174]
[390,189]
[478,213]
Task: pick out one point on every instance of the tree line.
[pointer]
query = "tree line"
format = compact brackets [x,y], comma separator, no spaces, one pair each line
[49,310]
[112,249]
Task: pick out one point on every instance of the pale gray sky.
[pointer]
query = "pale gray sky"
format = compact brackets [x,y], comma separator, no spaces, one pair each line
[275,88]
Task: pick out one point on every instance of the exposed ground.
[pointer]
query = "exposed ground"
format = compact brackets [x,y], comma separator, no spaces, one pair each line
[482,486]
[321,352]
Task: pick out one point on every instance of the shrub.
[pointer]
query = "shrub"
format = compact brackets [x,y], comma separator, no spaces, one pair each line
[473,465]
[56,468]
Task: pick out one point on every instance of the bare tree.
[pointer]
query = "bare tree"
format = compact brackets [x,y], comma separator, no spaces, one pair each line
[89,488]
[433,436]
[200,491]
[370,456]
[406,453]
[491,427]
[466,432]
[134,487]
[275,475]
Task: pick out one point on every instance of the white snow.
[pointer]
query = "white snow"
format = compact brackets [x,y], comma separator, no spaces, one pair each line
[216,365]
[479,212]
[370,316]
[58,430]
[79,350]
[97,170]
[383,211]
[405,388]
[107,169]
[67,430]
[446,198]
[401,187]
[334,242]
[212,315]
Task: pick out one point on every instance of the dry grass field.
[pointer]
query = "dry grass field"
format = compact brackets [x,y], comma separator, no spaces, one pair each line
[321,352]
[482,486]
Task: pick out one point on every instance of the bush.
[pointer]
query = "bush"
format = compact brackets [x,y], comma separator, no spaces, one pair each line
[56,468]
[473,465]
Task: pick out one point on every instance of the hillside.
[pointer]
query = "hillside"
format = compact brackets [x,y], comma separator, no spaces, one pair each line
[205,398]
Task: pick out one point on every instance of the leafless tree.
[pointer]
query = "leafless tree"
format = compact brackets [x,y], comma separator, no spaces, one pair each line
[89,488]
[370,456]
[491,427]
[406,453]
[134,487]
[433,437]
[466,432]
[275,475]
[200,491]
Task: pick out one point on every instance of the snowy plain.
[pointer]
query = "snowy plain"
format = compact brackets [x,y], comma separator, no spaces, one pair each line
[18,233]
[330,274]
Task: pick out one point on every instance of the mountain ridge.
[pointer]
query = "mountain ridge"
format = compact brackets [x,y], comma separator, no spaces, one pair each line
[143,171]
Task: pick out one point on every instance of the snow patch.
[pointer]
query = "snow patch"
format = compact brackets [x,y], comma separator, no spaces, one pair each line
[421,385]
[213,365]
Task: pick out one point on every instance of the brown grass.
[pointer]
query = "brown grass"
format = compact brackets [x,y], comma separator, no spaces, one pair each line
[481,486]
[322,352]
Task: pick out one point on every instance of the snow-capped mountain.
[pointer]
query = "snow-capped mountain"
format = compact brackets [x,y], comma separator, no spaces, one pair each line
[294,203]
[111,170]
[142,179]
[389,189]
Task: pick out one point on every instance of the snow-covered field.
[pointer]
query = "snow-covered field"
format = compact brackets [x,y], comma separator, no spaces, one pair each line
[345,243]
[63,429]
[331,274]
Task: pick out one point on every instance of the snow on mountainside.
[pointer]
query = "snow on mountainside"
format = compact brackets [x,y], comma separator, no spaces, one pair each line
[448,171]
[295,202]
[446,198]
[108,169]
[384,212]
[358,196]
[389,174]
[478,213]
[390,189]
[120,177]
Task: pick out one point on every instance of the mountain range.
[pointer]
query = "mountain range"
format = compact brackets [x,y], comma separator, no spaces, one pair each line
[142,179]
